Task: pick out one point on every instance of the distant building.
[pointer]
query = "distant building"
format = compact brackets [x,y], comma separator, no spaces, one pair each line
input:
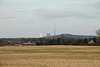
[18,45]
[48,34]
[91,42]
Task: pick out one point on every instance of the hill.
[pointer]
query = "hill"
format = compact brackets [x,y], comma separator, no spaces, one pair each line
[71,36]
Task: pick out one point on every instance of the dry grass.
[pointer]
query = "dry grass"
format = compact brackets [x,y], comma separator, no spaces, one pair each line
[50,56]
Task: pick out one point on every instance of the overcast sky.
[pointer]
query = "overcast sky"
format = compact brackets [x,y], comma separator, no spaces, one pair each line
[29,18]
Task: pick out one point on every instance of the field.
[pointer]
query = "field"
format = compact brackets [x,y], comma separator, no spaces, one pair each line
[50,56]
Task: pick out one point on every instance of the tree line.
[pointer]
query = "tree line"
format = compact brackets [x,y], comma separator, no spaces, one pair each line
[53,41]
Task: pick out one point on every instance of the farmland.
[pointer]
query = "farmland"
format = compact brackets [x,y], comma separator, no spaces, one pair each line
[50,56]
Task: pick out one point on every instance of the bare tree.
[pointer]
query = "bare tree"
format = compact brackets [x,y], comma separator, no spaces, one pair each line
[98,32]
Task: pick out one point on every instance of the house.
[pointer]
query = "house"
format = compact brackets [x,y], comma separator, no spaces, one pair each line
[18,45]
[91,42]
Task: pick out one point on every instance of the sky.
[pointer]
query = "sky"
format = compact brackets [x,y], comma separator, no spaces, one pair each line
[29,18]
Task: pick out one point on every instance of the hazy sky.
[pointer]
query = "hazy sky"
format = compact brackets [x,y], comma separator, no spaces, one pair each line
[29,18]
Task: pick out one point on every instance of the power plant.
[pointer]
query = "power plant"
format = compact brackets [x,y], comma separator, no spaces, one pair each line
[49,34]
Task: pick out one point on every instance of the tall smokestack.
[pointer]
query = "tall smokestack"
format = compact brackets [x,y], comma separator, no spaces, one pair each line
[54,29]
